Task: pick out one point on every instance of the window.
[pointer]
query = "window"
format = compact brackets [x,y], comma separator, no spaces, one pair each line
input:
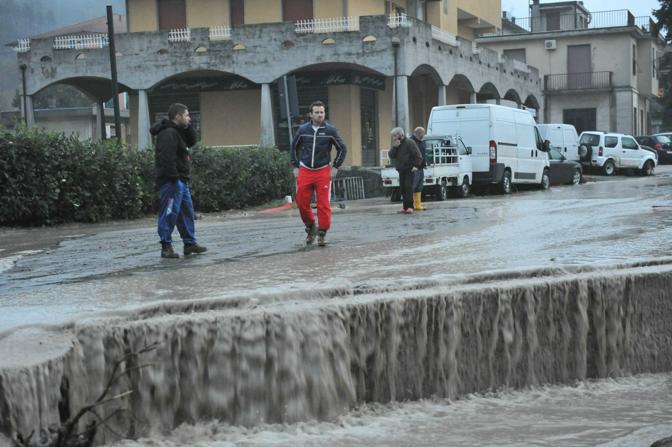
[554,154]
[642,128]
[552,21]
[610,141]
[634,60]
[634,121]
[172,14]
[629,143]
[293,10]
[461,148]
[653,63]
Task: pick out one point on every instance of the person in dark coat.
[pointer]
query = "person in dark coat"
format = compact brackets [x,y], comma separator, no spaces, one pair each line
[172,161]
[407,159]
[419,177]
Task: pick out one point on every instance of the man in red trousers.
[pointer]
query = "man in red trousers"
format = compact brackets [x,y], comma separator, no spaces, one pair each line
[313,169]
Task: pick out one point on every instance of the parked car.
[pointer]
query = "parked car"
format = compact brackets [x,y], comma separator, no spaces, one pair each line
[652,150]
[564,171]
[506,145]
[661,143]
[449,168]
[562,137]
[612,151]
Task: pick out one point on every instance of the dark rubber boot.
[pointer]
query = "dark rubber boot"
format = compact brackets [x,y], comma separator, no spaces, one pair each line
[167,251]
[194,249]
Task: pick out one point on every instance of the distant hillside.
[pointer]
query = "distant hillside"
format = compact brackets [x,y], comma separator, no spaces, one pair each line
[23,18]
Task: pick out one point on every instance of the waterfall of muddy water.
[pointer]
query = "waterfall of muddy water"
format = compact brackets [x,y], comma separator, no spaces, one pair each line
[316,356]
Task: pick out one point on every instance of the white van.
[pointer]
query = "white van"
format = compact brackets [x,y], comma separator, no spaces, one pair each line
[506,145]
[562,137]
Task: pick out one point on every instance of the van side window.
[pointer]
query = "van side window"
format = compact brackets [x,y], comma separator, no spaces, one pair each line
[610,141]
[629,143]
[540,141]
[461,148]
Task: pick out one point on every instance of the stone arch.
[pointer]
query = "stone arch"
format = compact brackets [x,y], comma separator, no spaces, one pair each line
[531,102]
[459,90]
[488,93]
[94,88]
[512,95]
[424,85]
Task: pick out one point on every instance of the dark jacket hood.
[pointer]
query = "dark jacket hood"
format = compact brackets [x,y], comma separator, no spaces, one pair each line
[161,125]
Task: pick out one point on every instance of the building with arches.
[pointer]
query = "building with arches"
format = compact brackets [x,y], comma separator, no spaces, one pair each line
[375,63]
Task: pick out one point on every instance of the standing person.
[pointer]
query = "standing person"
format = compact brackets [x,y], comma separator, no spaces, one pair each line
[313,170]
[174,136]
[407,160]
[419,177]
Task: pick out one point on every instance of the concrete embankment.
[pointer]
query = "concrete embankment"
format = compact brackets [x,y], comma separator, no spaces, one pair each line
[313,355]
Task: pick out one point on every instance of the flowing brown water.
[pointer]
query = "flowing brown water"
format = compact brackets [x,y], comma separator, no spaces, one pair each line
[311,356]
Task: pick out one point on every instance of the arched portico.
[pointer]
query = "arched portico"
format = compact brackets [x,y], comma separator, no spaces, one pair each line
[488,93]
[512,96]
[424,88]
[460,90]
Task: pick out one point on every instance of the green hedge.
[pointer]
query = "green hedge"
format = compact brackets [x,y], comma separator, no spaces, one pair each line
[48,178]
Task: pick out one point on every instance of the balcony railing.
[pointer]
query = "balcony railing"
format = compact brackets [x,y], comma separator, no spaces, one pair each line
[219,33]
[327,25]
[22,46]
[578,81]
[398,20]
[546,22]
[80,42]
[179,35]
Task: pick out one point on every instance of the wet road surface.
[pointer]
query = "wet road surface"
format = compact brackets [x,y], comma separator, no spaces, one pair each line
[52,276]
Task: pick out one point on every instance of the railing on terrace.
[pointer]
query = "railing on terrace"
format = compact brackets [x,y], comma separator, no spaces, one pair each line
[444,36]
[80,42]
[578,81]
[22,46]
[219,33]
[546,22]
[179,35]
[327,25]
[398,20]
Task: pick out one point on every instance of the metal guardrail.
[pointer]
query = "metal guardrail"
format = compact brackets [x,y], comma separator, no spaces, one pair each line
[327,25]
[348,188]
[578,81]
[81,41]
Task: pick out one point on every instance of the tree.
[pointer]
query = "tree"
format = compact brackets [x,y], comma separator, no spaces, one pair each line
[664,17]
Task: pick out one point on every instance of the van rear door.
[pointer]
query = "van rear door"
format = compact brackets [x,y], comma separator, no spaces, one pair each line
[571,140]
[472,124]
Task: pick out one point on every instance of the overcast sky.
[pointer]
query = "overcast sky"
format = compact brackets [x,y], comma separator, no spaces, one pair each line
[520,8]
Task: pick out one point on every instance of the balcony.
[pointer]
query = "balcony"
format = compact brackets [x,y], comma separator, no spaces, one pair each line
[545,23]
[567,82]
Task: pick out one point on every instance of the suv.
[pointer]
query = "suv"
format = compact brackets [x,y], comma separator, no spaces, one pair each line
[612,151]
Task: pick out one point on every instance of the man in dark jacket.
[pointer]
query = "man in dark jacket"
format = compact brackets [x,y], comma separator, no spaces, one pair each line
[419,177]
[311,157]
[407,160]
[174,136]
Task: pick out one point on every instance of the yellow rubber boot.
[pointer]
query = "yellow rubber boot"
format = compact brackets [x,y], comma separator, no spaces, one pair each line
[417,201]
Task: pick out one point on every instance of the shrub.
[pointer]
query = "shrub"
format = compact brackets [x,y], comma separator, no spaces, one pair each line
[48,178]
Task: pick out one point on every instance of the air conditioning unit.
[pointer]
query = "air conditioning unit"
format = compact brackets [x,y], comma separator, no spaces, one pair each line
[550,44]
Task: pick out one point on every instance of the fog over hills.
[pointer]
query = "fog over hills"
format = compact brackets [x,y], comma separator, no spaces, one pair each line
[25,18]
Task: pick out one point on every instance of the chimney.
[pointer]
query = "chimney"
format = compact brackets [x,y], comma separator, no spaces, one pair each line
[535,16]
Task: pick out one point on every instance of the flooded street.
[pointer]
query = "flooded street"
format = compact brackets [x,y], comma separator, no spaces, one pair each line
[263,302]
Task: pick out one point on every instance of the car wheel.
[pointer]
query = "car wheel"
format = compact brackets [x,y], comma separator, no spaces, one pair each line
[647,169]
[576,178]
[609,168]
[396,195]
[464,190]
[442,193]
[545,180]
[505,183]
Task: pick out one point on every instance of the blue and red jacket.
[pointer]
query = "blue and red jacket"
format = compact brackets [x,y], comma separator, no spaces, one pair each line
[312,148]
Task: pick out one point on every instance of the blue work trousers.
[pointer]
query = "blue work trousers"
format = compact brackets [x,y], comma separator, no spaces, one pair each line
[176,209]
[418,180]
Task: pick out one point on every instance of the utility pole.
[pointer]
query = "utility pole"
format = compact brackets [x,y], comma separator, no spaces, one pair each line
[113,68]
